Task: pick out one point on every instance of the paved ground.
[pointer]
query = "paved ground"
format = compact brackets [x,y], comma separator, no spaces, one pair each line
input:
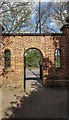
[32,73]
[37,102]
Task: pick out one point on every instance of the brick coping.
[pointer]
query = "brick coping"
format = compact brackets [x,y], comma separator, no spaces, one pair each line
[33,34]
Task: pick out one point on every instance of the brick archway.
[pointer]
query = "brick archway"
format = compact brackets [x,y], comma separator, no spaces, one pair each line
[38,49]
[27,47]
[32,70]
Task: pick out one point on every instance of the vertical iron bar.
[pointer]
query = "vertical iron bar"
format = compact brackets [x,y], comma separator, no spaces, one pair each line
[24,72]
[68,8]
[39,16]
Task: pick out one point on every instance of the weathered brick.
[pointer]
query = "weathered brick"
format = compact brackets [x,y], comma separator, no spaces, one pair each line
[46,44]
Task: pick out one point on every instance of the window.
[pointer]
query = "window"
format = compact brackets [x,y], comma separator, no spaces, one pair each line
[7,58]
[57,58]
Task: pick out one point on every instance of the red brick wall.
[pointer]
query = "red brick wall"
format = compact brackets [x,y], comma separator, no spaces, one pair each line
[47,45]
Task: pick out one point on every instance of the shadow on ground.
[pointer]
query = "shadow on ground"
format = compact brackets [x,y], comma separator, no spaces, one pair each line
[39,103]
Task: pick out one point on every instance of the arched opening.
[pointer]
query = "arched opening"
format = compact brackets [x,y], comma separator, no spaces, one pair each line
[33,59]
[57,58]
[7,58]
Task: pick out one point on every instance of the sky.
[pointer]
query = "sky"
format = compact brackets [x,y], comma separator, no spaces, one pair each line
[38,0]
[51,24]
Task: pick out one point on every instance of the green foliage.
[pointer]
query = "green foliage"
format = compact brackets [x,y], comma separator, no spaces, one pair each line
[58,62]
[33,57]
[7,58]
